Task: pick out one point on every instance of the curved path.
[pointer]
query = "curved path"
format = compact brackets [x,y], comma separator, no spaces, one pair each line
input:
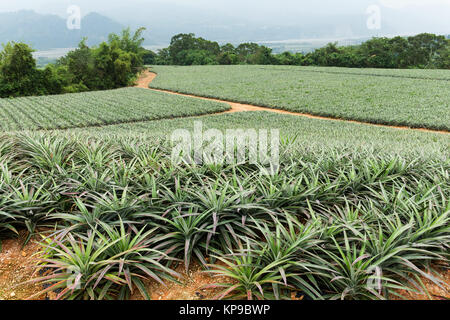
[147,77]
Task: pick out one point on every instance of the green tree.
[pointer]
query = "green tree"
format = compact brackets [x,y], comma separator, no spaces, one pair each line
[179,45]
[81,66]
[199,57]
[163,57]
[17,62]
[228,48]
[111,64]
[149,57]
[263,56]
[131,44]
[287,58]
[327,56]
[423,49]
[246,50]
[444,57]
[19,75]
[227,58]
[186,49]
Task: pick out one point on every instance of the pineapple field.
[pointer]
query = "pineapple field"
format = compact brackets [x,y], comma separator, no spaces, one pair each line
[413,98]
[80,110]
[93,207]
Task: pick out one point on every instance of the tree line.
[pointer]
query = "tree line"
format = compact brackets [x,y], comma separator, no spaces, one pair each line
[112,64]
[116,62]
[420,51]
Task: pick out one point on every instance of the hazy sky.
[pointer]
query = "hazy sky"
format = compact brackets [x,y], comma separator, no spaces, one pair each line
[433,15]
[261,8]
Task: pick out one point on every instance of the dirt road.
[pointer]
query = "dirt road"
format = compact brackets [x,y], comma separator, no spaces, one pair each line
[147,77]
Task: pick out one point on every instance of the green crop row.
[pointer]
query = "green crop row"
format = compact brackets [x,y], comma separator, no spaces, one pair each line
[308,133]
[98,108]
[385,97]
[430,74]
[329,224]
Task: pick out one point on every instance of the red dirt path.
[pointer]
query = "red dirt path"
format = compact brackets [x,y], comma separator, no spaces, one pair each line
[147,77]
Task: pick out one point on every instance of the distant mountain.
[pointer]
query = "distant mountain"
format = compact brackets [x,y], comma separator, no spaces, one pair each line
[302,32]
[224,28]
[44,31]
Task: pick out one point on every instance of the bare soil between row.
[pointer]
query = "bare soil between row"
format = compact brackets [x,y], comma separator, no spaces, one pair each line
[19,263]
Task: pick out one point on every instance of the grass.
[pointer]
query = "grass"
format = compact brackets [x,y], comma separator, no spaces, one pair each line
[98,108]
[329,224]
[415,98]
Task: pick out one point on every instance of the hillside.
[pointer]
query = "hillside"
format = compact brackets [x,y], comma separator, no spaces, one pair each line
[50,31]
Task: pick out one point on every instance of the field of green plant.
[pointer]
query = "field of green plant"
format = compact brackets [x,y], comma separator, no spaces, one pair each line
[98,108]
[335,224]
[415,98]
[354,211]
[430,74]
[308,133]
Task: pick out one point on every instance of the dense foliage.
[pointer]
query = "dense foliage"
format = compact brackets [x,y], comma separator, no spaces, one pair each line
[186,49]
[19,75]
[115,63]
[334,224]
[420,51]
[415,98]
[112,64]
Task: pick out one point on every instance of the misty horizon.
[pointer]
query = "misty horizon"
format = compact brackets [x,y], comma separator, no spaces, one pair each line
[264,21]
